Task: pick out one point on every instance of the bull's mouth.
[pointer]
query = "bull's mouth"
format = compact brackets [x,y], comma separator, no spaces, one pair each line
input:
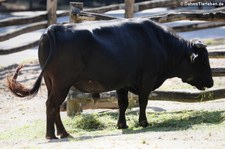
[198,86]
[201,88]
[208,85]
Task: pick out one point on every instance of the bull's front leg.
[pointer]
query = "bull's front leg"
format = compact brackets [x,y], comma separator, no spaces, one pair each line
[123,104]
[143,101]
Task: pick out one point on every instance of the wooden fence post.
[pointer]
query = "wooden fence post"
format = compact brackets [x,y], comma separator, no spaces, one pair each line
[73,105]
[75,8]
[129,8]
[51,9]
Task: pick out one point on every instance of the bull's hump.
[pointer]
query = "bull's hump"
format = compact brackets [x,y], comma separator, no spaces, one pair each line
[100,24]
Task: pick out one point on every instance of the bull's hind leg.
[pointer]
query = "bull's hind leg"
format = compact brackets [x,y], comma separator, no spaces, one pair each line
[50,111]
[56,95]
[123,104]
[61,131]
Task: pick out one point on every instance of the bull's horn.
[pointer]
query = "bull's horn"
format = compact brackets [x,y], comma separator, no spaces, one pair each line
[199,44]
[193,56]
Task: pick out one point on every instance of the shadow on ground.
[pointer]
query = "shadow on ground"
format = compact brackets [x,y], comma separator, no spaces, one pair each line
[159,122]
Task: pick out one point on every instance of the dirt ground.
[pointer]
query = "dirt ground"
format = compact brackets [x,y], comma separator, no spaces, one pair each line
[16,112]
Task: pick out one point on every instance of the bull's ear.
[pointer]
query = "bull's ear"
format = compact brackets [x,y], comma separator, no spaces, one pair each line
[196,43]
[193,56]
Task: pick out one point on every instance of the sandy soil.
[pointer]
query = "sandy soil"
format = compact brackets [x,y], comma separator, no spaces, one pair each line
[15,113]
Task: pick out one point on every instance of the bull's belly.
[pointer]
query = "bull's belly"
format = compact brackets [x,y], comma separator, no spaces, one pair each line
[91,86]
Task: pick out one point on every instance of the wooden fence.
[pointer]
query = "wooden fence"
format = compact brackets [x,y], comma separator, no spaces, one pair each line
[42,21]
[215,15]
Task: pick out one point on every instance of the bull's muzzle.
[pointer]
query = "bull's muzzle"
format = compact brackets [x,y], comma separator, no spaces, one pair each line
[210,84]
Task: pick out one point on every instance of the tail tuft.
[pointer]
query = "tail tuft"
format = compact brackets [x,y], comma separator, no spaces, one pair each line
[18,89]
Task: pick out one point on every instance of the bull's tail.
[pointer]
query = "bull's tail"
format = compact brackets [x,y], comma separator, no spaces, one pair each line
[20,90]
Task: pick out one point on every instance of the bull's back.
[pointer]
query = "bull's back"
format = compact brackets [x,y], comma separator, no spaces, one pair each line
[43,49]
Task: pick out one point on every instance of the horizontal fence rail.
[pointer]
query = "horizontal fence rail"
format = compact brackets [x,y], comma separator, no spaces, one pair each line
[23,20]
[33,23]
[217,16]
[217,53]
[26,29]
[218,72]
[137,6]
[198,26]
[188,96]
[19,48]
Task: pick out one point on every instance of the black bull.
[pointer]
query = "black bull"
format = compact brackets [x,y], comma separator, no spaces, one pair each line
[134,55]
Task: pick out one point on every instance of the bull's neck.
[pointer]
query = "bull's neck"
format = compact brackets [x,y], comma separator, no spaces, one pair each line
[177,52]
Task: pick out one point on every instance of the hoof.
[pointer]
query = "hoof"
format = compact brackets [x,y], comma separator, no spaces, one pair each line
[63,136]
[143,123]
[122,126]
[51,137]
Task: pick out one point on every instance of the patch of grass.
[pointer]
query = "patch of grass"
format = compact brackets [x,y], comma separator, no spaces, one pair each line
[214,41]
[209,42]
[185,119]
[87,122]
[206,96]
[91,123]
[159,121]
[105,124]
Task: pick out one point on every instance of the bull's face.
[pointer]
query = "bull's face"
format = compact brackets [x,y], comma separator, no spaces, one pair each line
[196,69]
